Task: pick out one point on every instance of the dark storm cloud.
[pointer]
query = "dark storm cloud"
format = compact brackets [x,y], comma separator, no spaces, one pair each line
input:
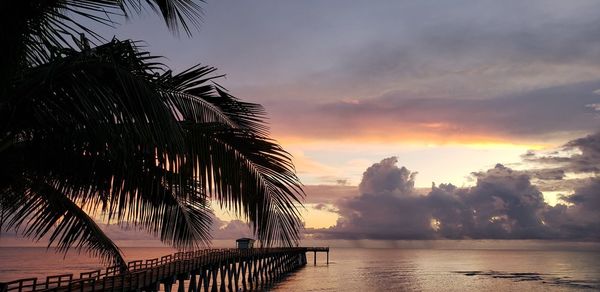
[502,205]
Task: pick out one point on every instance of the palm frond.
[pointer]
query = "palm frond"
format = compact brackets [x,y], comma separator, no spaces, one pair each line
[139,194]
[34,29]
[250,175]
[176,13]
[116,132]
[43,210]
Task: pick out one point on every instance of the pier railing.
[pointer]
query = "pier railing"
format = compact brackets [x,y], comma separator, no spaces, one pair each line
[208,270]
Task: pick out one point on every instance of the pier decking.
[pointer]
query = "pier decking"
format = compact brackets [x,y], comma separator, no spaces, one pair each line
[203,270]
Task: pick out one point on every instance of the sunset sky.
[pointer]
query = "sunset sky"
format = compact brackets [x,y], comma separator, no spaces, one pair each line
[446,89]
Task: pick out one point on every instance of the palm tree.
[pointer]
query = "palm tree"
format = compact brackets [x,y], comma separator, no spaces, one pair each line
[105,131]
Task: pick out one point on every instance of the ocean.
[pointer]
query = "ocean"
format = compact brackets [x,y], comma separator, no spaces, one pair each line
[386,269]
[377,269]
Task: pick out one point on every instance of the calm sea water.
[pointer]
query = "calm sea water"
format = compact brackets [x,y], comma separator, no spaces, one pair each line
[383,269]
[352,269]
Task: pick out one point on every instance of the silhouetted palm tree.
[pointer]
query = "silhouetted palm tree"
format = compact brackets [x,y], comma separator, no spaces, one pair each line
[105,131]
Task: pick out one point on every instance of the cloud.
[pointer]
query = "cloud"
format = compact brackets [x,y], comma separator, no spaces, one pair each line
[537,115]
[386,177]
[504,69]
[503,204]
[463,48]
[589,158]
[442,59]
[129,235]
[387,207]
[574,164]
[328,194]
[325,207]
[230,229]
[581,217]
[552,174]
[594,106]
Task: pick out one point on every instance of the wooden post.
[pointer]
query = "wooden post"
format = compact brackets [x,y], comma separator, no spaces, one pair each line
[215,270]
[328,257]
[181,286]
[244,264]
[222,274]
[167,286]
[230,271]
[193,287]
[315,258]
[236,273]
[206,278]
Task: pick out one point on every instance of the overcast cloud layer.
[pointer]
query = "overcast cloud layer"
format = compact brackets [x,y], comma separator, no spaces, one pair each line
[520,70]
[533,116]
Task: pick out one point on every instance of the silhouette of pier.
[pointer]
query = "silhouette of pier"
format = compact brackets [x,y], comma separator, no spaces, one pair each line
[202,270]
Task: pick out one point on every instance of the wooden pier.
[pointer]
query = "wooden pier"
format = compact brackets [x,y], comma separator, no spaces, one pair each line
[315,250]
[203,270]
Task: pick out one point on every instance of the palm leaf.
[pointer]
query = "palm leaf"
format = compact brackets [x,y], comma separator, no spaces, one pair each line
[252,176]
[118,133]
[37,27]
[43,210]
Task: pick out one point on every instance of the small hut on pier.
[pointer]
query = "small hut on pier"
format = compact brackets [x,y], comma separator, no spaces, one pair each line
[244,243]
